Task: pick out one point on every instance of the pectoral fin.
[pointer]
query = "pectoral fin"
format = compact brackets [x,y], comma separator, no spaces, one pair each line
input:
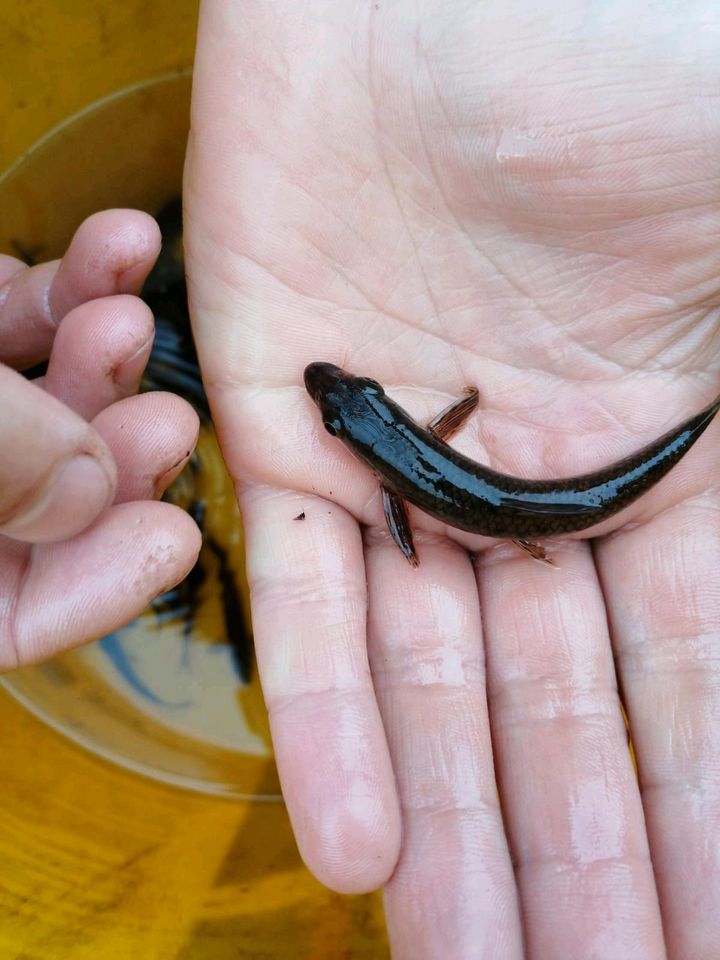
[399,524]
[535,550]
[449,420]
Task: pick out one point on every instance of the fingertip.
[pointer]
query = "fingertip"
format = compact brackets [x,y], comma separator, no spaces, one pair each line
[142,234]
[100,352]
[151,436]
[339,786]
[130,245]
[122,229]
[353,856]
[132,554]
[111,252]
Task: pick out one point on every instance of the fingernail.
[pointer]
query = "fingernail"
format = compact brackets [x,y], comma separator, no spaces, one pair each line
[75,496]
[127,373]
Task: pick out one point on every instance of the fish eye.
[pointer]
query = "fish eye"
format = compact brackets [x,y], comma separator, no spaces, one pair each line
[332,427]
[369,386]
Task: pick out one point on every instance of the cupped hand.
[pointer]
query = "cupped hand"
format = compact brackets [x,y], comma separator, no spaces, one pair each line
[83,545]
[525,199]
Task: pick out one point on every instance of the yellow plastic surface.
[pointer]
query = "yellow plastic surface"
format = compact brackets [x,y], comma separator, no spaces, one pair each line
[100,864]
[56,58]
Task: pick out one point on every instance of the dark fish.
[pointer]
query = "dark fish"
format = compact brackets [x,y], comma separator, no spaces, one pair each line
[415,464]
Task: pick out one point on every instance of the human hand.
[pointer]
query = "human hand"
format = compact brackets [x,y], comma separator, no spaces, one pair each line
[83,545]
[524,199]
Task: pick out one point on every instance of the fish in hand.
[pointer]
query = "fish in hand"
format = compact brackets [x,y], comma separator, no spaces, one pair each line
[415,464]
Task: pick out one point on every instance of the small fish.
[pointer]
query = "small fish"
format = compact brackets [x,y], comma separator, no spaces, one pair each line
[415,464]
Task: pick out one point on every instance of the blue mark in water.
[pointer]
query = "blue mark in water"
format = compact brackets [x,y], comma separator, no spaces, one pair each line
[113,646]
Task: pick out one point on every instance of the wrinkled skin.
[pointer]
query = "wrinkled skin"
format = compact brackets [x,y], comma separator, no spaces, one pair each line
[434,195]
[84,553]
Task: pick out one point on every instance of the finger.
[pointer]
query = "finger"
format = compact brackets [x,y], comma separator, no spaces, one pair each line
[99,354]
[111,252]
[56,474]
[567,785]
[151,437]
[453,892]
[307,584]
[661,585]
[84,588]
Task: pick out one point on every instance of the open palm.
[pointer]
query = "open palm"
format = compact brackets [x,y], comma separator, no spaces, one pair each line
[450,195]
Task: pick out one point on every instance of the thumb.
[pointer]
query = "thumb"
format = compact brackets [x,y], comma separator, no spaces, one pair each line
[56,473]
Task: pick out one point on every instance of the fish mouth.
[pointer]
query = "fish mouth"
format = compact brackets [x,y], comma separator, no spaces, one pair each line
[319,377]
